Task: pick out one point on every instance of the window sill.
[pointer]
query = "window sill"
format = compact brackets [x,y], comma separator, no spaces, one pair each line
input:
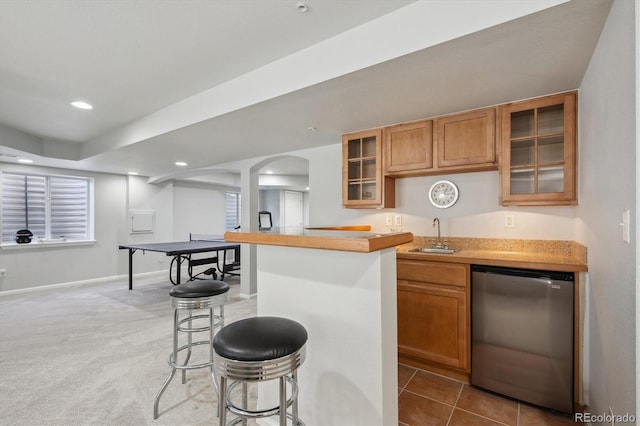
[43,244]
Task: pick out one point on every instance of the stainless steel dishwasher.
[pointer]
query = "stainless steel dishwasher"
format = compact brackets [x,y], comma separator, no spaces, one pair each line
[522,334]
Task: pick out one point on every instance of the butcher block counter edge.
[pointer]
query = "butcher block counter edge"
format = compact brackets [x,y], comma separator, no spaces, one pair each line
[354,241]
[554,255]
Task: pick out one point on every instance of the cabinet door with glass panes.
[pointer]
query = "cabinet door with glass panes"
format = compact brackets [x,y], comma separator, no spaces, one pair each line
[538,164]
[363,185]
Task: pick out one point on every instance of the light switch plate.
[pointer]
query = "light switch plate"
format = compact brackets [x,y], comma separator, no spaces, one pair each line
[509,221]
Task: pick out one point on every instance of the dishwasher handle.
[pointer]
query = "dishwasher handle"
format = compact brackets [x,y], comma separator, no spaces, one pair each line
[529,273]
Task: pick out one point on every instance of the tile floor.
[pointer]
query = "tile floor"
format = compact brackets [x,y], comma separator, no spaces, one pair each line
[429,399]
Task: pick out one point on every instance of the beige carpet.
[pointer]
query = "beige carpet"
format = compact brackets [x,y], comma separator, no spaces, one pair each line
[97,355]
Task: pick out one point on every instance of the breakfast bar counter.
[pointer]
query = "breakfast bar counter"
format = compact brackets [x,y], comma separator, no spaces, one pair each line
[327,238]
[341,286]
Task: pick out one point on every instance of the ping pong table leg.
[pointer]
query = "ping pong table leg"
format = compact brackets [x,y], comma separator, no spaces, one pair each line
[131,251]
[178,262]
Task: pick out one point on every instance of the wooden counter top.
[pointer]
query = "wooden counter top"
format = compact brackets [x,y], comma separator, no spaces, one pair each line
[355,241]
[566,256]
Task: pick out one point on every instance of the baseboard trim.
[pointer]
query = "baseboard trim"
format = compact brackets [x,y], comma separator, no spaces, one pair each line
[123,279]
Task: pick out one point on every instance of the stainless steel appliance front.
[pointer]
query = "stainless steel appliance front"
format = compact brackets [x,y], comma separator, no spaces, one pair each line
[522,334]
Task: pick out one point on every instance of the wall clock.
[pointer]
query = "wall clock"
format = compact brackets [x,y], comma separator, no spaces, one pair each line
[443,194]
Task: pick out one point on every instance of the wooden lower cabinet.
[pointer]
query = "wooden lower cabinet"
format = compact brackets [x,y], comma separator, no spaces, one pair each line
[434,316]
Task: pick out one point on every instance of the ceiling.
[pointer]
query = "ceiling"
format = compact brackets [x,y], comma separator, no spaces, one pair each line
[213,82]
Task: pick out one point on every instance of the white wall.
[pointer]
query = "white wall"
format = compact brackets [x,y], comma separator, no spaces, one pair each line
[270,201]
[607,185]
[179,208]
[197,209]
[476,214]
[142,196]
[33,266]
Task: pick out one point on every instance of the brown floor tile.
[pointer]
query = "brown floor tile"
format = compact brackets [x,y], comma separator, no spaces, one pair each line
[463,418]
[488,405]
[404,375]
[414,410]
[532,416]
[435,387]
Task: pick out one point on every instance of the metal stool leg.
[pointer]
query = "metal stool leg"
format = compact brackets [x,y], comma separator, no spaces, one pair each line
[294,408]
[173,370]
[283,402]
[222,402]
[189,345]
[245,404]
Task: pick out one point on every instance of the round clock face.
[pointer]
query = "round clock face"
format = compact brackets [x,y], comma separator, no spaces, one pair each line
[443,194]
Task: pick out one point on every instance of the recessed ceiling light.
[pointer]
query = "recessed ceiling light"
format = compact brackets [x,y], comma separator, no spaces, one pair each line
[311,129]
[132,173]
[269,172]
[302,7]
[180,163]
[25,161]
[82,105]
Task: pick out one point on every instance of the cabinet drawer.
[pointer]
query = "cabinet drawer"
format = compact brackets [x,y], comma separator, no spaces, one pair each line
[433,272]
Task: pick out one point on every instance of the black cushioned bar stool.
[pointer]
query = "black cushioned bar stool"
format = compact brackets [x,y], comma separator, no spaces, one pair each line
[259,349]
[190,296]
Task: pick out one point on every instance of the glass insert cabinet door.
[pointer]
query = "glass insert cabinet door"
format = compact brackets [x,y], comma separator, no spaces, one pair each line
[362,168]
[538,149]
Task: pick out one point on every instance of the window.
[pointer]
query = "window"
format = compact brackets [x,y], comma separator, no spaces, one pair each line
[53,208]
[233,210]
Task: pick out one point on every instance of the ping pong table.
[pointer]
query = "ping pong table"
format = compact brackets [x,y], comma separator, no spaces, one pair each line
[182,251]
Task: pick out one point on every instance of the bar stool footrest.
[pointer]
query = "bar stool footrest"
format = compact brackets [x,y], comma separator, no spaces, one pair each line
[267,412]
[172,363]
[239,420]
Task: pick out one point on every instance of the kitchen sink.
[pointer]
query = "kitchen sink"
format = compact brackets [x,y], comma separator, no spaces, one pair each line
[432,250]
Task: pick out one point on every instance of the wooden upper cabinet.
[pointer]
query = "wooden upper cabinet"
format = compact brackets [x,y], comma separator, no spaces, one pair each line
[408,147]
[454,143]
[539,151]
[363,183]
[467,141]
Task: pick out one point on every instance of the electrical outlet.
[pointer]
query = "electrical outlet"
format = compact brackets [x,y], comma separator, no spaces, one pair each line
[509,221]
[397,220]
[3,273]
[388,220]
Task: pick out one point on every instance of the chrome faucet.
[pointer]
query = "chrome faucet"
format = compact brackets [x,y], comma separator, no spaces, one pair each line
[438,243]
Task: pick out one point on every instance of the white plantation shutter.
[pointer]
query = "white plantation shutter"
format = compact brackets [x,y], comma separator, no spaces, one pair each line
[23,205]
[233,204]
[51,207]
[69,208]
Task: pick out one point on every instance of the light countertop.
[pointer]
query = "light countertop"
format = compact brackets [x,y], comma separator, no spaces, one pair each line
[567,256]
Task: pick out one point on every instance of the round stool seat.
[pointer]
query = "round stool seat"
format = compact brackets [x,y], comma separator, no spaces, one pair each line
[199,288]
[256,350]
[260,339]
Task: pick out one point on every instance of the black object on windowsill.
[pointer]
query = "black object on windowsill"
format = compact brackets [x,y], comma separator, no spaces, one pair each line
[24,236]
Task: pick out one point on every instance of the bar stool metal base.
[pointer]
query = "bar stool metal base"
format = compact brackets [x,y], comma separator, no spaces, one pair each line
[244,413]
[186,325]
